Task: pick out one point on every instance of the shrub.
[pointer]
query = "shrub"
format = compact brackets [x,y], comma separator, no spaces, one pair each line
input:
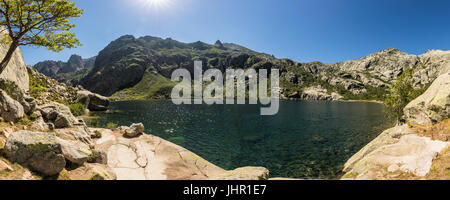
[402,92]
[34,116]
[24,121]
[97,134]
[111,125]
[398,97]
[37,86]
[77,109]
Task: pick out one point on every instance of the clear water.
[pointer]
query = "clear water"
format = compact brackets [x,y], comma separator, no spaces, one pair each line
[307,139]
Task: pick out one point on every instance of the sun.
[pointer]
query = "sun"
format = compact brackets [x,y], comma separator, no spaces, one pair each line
[155,4]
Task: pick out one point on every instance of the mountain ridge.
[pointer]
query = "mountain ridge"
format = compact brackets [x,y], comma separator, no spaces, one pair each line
[67,72]
[123,63]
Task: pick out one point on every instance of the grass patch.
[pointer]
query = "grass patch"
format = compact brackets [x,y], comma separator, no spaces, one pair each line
[440,170]
[152,86]
[37,86]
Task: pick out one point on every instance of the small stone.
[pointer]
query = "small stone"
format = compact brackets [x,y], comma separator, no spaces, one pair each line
[5,133]
[26,176]
[49,114]
[51,126]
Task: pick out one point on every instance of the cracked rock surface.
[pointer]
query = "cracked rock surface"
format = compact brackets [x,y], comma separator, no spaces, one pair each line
[151,158]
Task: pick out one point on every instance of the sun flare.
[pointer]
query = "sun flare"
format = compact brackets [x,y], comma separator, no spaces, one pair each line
[155,4]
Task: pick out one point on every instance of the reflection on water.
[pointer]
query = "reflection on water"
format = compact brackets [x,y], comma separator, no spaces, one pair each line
[307,139]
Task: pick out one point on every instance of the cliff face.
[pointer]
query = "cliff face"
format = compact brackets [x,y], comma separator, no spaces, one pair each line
[16,71]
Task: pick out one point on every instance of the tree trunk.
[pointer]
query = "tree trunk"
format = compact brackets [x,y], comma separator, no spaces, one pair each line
[8,57]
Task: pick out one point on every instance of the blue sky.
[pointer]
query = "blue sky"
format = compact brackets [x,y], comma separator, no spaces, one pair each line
[302,30]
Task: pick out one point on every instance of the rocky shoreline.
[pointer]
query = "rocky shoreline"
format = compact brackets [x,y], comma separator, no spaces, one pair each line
[40,138]
[58,145]
[55,144]
[414,150]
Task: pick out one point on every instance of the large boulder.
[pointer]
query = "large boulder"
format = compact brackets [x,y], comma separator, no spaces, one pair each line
[133,131]
[75,151]
[13,90]
[39,151]
[411,154]
[79,133]
[60,114]
[10,109]
[76,144]
[433,106]
[29,104]
[16,70]
[92,101]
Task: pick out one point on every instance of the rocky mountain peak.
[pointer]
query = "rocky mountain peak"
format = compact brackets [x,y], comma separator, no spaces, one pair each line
[75,58]
[219,44]
[75,63]
[389,52]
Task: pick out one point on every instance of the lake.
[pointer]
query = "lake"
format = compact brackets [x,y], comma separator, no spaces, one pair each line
[306,139]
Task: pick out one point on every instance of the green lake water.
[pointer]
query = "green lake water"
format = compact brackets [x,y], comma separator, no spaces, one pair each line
[306,139]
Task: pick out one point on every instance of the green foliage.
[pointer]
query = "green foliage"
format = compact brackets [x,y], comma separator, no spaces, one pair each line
[24,121]
[61,100]
[152,86]
[37,86]
[402,92]
[95,153]
[77,109]
[97,134]
[34,116]
[40,23]
[111,125]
